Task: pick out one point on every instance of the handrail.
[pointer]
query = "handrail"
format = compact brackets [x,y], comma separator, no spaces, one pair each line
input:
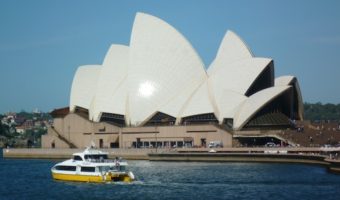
[69,143]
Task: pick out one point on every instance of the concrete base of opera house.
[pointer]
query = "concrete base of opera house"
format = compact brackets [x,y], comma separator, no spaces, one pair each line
[75,131]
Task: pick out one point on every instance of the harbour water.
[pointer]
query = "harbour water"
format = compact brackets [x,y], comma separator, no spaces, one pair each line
[31,179]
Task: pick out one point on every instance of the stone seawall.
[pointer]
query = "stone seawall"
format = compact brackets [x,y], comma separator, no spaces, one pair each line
[309,156]
[142,153]
[130,154]
[239,157]
[334,166]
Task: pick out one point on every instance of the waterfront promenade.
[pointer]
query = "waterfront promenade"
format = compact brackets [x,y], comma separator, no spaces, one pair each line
[37,153]
[146,153]
[327,157]
[143,153]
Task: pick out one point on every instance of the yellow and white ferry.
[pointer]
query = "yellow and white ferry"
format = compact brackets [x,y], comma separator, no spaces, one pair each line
[92,165]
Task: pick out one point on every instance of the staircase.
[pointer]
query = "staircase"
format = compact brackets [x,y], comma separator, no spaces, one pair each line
[314,135]
[61,137]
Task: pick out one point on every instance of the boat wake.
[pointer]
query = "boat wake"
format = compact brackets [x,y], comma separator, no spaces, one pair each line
[125,183]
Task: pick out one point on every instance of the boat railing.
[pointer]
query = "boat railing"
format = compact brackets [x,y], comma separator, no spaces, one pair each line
[93,160]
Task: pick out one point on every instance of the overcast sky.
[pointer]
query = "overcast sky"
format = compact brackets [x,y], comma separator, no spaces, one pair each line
[43,42]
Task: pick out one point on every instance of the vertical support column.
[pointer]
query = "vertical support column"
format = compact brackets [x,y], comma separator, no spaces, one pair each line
[120,138]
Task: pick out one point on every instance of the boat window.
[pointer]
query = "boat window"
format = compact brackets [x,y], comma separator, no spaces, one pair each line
[104,168]
[88,169]
[77,158]
[97,157]
[65,168]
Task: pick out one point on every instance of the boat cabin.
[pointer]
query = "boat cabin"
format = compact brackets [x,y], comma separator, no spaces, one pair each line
[90,157]
[89,168]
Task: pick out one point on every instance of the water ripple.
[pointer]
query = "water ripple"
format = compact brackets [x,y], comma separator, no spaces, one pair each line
[31,179]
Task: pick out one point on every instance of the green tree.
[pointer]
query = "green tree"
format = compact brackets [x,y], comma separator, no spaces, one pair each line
[4,130]
[319,111]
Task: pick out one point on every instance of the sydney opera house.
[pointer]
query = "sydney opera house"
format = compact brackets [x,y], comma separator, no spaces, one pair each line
[157,92]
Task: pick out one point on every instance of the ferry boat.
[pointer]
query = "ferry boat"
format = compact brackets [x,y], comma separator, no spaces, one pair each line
[92,165]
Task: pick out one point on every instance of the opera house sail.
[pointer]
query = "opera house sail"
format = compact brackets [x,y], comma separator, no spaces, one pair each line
[159,79]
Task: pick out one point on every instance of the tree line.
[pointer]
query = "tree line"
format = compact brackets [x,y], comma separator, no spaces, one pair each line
[10,137]
[319,111]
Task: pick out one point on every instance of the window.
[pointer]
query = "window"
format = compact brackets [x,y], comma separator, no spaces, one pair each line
[96,157]
[166,144]
[113,118]
[153,143]
[104,168]
[161,119]
[199,119]
[114,145]
[180,143]
[101,143]
[65,168]
[228,122]
[134,144]
[146,144]
[173,144]
[88,169]
[77,158]
[159,144]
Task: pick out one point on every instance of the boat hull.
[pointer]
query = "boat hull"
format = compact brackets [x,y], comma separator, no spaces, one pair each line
[91,178]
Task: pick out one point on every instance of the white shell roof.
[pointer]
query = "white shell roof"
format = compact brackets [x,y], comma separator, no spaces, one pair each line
[199,103]
[229,102]
[84,86]
[162,65]
[255,102]
[232,49]
[291,80]
[161,72]
[238,76]
[284,80]
[112,76]
[178,103]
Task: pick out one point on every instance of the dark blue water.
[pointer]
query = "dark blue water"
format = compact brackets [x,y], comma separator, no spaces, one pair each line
[31,179]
